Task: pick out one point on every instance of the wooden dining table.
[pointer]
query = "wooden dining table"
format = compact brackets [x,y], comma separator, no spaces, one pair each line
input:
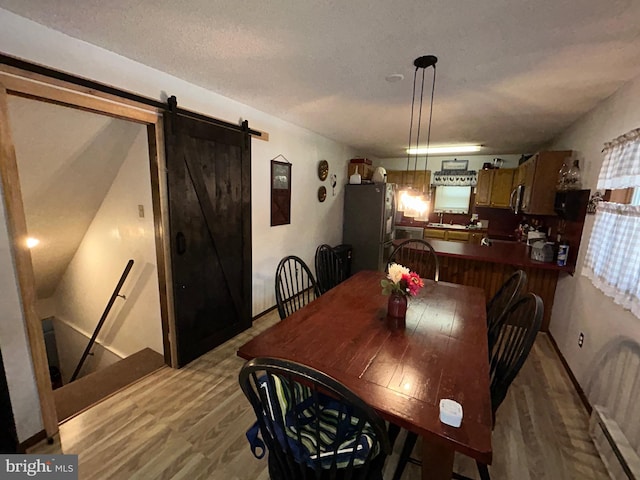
[402,371]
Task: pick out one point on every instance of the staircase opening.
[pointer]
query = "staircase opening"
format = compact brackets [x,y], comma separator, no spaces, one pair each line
[86,188]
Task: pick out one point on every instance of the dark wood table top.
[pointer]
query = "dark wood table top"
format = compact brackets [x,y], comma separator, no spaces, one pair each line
[402,373]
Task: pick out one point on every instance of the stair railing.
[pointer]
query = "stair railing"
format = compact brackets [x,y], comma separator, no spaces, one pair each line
[116,294]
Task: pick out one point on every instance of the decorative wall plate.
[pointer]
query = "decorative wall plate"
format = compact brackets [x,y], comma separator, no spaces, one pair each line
[322,194]
[323,170]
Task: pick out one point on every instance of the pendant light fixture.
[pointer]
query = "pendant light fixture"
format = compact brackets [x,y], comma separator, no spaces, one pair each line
[415,203]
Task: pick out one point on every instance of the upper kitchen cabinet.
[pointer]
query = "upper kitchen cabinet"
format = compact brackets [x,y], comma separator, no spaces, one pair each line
[419,178]
[539,175]
[520,175]
[494,187]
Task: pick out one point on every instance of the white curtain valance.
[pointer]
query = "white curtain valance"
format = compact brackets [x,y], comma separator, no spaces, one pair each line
[621,164]
[613,257]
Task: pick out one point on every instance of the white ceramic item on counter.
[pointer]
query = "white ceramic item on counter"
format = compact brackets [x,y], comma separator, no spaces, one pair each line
[355,179]
[379,175]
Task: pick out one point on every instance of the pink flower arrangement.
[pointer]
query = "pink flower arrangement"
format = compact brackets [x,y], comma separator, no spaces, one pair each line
[401,280]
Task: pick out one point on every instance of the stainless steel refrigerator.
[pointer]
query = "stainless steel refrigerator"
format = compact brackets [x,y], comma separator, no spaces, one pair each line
[369,224]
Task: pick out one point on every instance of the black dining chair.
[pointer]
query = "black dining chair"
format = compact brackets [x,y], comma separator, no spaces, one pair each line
[312,426]
[516,335]
[329,269]
[418,256]
[513,287]
[295,285]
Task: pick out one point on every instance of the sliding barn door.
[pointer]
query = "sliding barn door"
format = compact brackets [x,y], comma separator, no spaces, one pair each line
[209,185]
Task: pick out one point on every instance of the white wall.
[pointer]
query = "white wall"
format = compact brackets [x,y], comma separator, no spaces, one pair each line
[14,345]
[434,163]
[579,306]
[116,235]
[71,343]
[312,223]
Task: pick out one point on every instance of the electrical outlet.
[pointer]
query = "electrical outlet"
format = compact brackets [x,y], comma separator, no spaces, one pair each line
[580,339]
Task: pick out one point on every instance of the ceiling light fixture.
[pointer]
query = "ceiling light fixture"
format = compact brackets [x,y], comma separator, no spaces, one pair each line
[413,202]
[32,242]
[447,149]
[394,77]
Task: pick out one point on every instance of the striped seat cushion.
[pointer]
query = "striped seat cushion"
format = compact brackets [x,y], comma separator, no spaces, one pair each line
[313,442]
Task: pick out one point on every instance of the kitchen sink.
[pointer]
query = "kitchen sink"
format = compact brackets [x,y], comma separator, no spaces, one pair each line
[454,226]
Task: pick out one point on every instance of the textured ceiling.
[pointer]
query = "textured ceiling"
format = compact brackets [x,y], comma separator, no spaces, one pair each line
[511,74]
[67,161]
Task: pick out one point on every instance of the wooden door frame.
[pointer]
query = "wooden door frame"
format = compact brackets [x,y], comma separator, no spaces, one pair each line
[14,81]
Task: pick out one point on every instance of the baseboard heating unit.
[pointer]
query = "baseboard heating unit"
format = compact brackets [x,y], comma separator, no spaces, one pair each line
[618,456]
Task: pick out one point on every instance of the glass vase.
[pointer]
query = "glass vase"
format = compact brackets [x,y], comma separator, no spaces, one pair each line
[574,180]
[561,183]
[397,309]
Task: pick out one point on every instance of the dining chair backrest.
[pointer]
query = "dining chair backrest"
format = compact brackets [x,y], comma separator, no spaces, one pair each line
[329,269]
[518,328]
[312,426]
[509,292]
[295,285]
[418,256]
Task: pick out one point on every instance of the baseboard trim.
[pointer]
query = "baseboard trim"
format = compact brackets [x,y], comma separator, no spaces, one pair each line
[572,377]
[262,314]
[31,441]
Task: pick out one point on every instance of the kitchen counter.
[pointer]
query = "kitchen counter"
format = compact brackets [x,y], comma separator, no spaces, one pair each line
[516,254]
[441,231]
[440,226]
[455,226]
[488,267]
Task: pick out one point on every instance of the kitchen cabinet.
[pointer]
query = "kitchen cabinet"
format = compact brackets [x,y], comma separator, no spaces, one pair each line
[483,187]
[494,187]
[395,176]
[501,187]
[434,233]
[457,236]
[540,174]
[520,175]
[402,177]
[453,235]
[476,237]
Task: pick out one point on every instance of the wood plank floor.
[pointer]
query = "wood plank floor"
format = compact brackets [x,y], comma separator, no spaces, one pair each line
[190,423]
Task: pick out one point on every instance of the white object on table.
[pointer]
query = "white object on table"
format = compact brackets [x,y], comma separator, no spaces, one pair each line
[450,412]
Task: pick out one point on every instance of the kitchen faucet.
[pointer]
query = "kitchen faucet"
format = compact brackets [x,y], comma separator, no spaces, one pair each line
[440,215]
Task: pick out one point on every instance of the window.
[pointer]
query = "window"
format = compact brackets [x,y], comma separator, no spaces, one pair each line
[612,261]
[452,199]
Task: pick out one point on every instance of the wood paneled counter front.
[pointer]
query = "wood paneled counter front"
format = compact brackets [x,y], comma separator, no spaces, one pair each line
[488,267]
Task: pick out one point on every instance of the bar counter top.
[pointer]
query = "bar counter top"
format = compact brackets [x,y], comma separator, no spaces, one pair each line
[516,254]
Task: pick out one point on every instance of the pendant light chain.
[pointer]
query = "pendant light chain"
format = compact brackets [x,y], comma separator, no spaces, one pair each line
[415,162]
[413,100]
[426,158]
[413,202]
